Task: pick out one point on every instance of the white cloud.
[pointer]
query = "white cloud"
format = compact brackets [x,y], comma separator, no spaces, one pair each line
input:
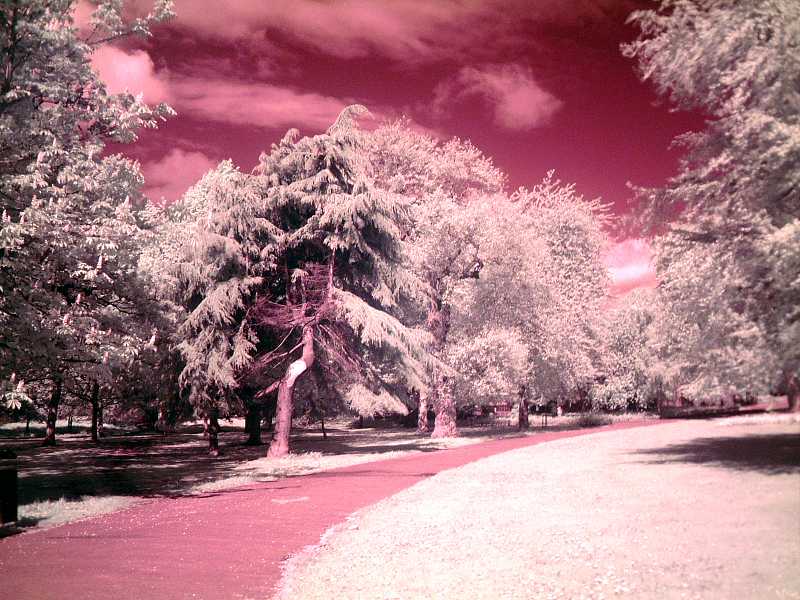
[517,99]
[169,177]
[257,104]
[132,72]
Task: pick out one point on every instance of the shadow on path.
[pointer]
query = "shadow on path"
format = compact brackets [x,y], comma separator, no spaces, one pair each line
[773,454]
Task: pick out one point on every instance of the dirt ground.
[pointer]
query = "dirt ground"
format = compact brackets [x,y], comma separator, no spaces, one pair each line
[693,509]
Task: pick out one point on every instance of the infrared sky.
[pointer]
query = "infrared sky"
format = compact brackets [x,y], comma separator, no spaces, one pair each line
[536,84]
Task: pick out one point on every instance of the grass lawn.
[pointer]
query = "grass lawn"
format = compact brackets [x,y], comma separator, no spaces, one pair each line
[692,509]
[78,479]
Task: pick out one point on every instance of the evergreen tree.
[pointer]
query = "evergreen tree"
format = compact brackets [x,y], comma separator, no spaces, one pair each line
[219,245]
[341,256]
[300,258]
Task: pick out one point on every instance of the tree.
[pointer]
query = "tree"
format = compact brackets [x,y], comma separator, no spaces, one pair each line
[291,269]
[629,380]
[525,329]
[341,258]
[441,184]
[65,296]
[729,263]
[214,274]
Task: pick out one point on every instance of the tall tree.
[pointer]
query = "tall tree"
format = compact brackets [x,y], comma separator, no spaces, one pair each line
[442,183]
[730,262]
[293,268]
[214,275]
[341,256]
[65,296]
[525,329]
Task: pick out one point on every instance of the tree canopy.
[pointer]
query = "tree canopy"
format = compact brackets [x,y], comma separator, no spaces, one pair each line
[729,263]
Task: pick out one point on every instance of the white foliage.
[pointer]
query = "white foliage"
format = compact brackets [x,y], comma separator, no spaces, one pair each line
[727,265]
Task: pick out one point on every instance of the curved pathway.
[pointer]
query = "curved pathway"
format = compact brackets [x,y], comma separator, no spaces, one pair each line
[225,545]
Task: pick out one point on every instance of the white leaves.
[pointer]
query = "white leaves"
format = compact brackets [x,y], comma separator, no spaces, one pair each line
[724,268]
[368,403]
[527,321]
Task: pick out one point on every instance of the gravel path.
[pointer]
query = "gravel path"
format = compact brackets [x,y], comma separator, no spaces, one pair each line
[685,510]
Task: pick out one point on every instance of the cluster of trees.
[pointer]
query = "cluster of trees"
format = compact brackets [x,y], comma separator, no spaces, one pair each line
[381,271]
[729,264]
[74,318]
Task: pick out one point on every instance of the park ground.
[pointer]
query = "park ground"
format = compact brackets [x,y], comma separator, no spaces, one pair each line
[691,509]
[79,479]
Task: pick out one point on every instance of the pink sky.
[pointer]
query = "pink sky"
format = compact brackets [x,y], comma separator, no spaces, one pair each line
[536,84]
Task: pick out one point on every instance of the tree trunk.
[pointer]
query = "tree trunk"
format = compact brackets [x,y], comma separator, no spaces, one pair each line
[422,417]
[793,393]
[443,402]
[445,407]
[523,411]
[52,412]
[268,410]
[69,423]
[27,425]
[318,406]
[95,400]
[279,446]
[316,412]
[99,419]
[252,424]
[213,432]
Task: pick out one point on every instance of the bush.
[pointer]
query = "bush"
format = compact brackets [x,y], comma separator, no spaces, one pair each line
[593,419]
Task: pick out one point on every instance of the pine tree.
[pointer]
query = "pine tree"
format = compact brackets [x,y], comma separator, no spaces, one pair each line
[341,259]
[302,257]
[219,245]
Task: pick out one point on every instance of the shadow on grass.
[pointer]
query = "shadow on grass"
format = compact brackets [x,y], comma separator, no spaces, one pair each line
[16,527]
[771,454]
[37,430]
[152,465]
[155,465]
[136,465]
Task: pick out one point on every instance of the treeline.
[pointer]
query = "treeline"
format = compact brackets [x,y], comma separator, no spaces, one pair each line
[377,271]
